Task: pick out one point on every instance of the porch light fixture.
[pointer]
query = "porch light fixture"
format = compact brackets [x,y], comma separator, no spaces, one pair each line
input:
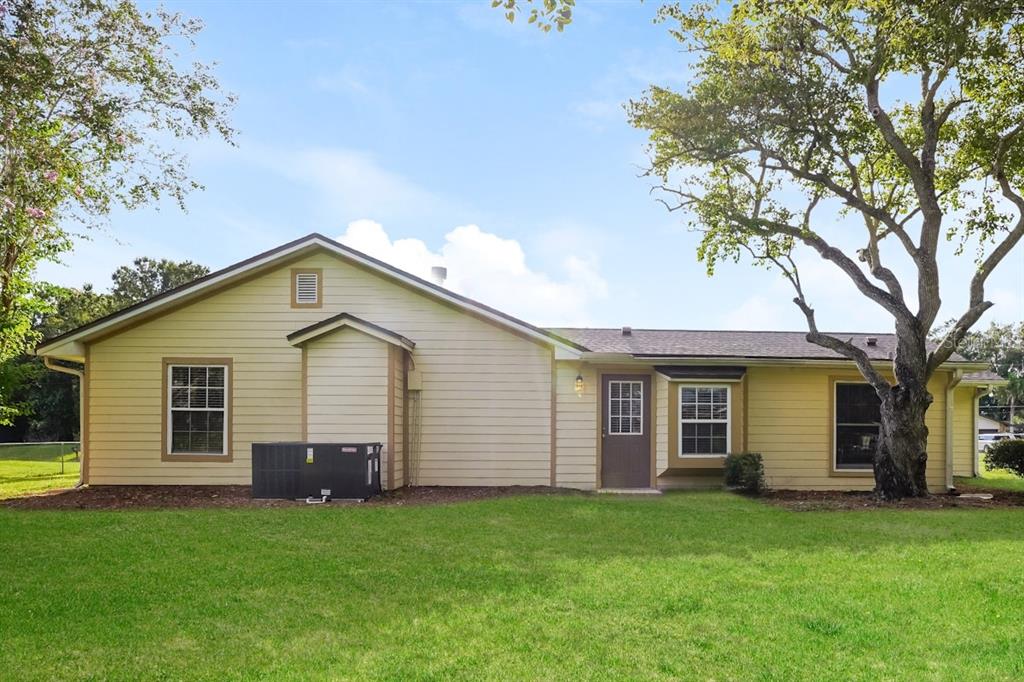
[579,385]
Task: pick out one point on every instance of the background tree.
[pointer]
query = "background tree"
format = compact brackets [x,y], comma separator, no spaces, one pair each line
[91,93]
[907,115]
[147,277]
[42,404]
[1002,346]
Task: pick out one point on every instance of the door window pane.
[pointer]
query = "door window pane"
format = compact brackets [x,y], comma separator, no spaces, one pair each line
[625,408]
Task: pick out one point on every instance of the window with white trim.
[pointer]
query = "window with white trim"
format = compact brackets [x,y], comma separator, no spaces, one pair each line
[703,420]
[858,419]
[197,403]
[626,408]
[307,288]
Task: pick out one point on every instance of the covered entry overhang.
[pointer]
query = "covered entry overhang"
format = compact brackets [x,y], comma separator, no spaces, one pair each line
[354,378]
[343,320]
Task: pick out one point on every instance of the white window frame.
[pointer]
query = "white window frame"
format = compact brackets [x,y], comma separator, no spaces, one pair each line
[171,452]
[680,421]
[643,399]
[835,431]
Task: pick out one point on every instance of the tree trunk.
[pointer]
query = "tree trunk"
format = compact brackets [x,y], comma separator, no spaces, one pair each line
[902,453]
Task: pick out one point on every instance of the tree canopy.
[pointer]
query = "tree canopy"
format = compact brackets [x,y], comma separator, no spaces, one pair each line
[44,403]
[812,96]
[147,277]
[93,93]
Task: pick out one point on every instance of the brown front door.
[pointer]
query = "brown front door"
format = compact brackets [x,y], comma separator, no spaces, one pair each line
[626,431]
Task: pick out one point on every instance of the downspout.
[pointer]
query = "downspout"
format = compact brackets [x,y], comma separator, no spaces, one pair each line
[954,381]
[80,373]
[975,407]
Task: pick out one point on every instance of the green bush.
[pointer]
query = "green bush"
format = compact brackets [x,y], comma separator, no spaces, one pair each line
[745,472]
[1006,454]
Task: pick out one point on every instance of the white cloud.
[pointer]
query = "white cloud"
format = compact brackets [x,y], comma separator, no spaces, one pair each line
[631,74]
[492,270]
[346,80]
[838,305]
[350,184]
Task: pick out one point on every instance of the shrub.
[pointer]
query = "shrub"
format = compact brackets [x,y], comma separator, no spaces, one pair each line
[1006,454]
[745,472]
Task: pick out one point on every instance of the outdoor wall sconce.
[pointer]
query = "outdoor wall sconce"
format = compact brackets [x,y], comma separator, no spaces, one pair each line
[579,385]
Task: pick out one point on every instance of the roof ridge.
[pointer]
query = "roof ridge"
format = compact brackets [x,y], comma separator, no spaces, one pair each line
[315,239]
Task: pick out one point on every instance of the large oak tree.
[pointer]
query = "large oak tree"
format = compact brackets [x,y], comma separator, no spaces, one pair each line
[907,113]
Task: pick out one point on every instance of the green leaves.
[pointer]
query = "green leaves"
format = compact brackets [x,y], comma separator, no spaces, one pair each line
[546,14]
[898,111]
[85,85]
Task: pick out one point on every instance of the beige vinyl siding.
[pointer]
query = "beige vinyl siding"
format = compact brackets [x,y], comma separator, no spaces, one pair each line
[485,400]
[789,421]
[397,436]
[346,390]
[965,440]
[577,429]
[661,388]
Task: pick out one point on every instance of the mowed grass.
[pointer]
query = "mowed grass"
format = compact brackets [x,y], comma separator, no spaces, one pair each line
[32,468]
[993,478]
[685,586]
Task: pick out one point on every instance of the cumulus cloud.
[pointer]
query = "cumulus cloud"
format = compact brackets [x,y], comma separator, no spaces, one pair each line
[493,270]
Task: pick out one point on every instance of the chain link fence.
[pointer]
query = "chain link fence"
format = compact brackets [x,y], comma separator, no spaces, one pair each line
[40,458]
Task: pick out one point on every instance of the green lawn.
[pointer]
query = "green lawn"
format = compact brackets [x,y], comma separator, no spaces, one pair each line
[994,478]
[32,468]
[694,586]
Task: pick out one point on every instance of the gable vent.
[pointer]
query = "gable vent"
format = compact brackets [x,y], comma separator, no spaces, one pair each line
[307,290]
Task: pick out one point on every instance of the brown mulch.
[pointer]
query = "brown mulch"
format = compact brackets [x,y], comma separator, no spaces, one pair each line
[210,496]
[829,500]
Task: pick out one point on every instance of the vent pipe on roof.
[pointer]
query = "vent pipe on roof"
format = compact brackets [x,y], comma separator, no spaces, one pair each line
[627,331]
[872,341]
[439,274]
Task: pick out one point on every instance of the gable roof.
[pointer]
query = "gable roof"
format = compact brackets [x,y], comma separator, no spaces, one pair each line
[984,378]
[341,320]
[688,343]
[267,260]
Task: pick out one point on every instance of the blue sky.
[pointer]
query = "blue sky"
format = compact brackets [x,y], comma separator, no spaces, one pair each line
[437,133]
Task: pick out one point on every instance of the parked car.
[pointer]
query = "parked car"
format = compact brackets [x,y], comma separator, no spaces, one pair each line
[986,440]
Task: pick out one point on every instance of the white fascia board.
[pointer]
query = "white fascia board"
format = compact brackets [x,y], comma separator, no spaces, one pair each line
[299,247]
[184,294]
[350,324]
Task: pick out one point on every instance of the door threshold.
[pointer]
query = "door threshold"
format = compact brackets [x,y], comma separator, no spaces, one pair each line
[629,491]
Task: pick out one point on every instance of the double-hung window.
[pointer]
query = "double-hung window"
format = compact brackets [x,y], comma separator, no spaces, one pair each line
[703,420]
[198,401]
[858,418]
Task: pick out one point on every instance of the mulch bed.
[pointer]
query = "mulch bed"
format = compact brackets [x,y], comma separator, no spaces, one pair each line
[211,496]
[814,500]
[238,496]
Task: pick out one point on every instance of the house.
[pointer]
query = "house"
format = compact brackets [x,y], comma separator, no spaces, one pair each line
[313,341]
[989,425]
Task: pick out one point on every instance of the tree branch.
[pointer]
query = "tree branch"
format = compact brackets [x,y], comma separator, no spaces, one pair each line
[845,348]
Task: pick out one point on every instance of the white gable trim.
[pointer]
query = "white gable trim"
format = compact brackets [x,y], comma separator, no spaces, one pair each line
[60,345]
[349,322]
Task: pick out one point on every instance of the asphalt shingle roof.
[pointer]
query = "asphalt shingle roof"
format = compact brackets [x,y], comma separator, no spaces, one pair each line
[722,343]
